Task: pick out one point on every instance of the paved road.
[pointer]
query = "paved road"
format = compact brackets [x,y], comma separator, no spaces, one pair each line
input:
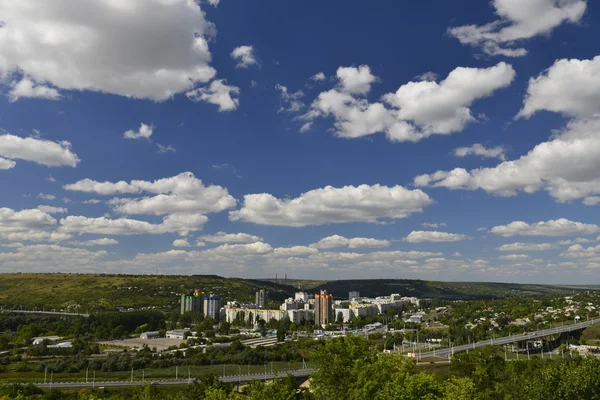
[67,314]
[507,339]
[229,379]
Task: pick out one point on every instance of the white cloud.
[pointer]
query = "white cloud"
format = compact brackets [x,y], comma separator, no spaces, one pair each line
[180,243]
[51,179]
[591,200]
[290,101]
[244,55]
[515,257]
[362,203]
[95,242]
[51,258]
[257,248]
[144,132]
[433,225]
[559,227]
[570,87]
[162,149]
[46,196]
[222,237]
[428,76]
[574,241]
[52,210]
[6,164]
[294,251]
[367,243]
[319,76]
[92,201]
[331,242]
[218,93]
[213,3]
[434,236]
[26,88]
[578,251]
[519,20]
[549,166]
[44,152]
[478,149]
[28,225]
[356,80]
[160,51]
[183,193]
[415,111]
[518,246]
[180,223]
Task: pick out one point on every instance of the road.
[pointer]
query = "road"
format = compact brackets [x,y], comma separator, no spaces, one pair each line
[444,353]
[66,314]
[230,379]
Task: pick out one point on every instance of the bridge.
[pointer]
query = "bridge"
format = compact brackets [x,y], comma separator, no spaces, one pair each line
[447,352]
[239,379]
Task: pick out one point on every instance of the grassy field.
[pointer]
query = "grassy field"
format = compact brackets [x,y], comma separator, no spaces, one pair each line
[150,374]
[591,335]
[91,292]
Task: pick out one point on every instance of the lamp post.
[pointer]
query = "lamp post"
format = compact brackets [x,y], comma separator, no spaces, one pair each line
[86,374]
[265,372]
[189,377]
[94,380]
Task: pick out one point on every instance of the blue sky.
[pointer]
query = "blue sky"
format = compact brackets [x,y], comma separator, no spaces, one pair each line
[325,140]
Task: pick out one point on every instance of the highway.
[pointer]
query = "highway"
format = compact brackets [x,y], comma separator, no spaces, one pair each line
[444,353]
[66,314]
[229,378]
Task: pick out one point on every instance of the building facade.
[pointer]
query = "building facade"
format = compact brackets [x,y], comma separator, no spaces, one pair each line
[324,308]
[212,307]
[262,298]
[353,295]
[191,302]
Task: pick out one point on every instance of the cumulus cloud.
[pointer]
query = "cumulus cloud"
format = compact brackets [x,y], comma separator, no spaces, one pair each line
[6,164]
[218,93]
[362,203]
[336,241]
[50,258]
[180,223]
[319,76]
[478,149]
[46,196]
[181,243]
[434,236]
[290,101]
[29,225]
[44,152]
[558,227]
[160,52]
[519,21]
[26,88]
[183,193]
[518,246]
[222,237]
[428,76]
[514,257]
[294,251]
[578,251]
[95,242]
[415,111]
[244,55]
[549,166]
[570,87]
[144,132]
[591,200]
[433,225]
[162,149]
[52,210]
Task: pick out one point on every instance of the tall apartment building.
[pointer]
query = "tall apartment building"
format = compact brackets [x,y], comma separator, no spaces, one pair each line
[323,308]
[212,307]
[191,302]
[262,298]
[353,295]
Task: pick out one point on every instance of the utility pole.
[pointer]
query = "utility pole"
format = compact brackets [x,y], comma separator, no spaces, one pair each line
[94,381]
[189,377]
[131,374]
[176,371]
[45,374]
[86,374]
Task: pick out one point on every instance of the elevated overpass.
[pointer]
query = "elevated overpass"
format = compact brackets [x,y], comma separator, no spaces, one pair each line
[446,352]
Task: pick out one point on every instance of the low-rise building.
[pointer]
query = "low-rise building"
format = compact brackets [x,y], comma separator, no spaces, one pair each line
[177,333]
[150,335]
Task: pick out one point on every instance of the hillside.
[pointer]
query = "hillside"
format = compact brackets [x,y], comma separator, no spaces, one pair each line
[446,290]
[91,292]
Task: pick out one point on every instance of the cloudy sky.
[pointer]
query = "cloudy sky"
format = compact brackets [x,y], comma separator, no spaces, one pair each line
[323,139]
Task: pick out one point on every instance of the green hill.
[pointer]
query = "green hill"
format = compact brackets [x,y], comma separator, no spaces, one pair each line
[91,292]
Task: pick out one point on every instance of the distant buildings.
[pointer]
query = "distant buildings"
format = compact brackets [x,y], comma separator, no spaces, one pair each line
[212,307]
[324,308]
[191,302]
[301,296]
[262,298]
[149,335]
[178,333]
[353,295]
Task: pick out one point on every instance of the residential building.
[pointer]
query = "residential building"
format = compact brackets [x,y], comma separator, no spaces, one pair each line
[324,308]
[301,296]
[212,307]
[191,302]
[353,295]
[262,298]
